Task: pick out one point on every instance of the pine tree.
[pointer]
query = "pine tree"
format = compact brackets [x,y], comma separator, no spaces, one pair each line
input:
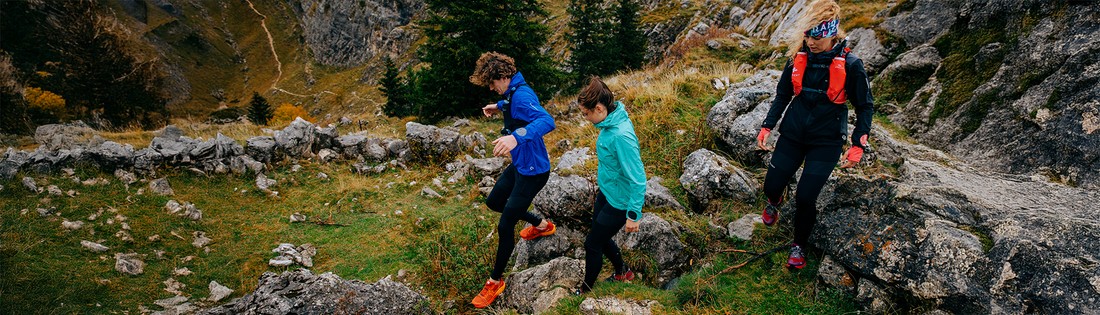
[458,32]
[590,38]
[259,111]
[397,102]
[628,40]
[604,40]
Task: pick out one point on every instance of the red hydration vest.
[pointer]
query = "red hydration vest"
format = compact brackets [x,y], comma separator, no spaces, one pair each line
[837,73]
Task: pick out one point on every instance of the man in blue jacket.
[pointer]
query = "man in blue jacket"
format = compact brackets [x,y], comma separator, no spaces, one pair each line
[525,122]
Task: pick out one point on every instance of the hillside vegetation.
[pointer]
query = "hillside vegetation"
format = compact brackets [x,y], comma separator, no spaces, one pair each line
[369,226]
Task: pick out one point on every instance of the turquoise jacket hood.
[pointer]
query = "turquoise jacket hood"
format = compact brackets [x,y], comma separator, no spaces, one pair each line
[620,173]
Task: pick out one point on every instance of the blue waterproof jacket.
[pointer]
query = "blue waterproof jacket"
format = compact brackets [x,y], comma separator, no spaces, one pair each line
[529,156]
[620,174]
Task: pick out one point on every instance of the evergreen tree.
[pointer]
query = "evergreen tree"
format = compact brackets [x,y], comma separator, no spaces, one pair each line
[604,40]
[628,40]
[259,111]
[397,101]
[590,38]
[102,73]
[458,32]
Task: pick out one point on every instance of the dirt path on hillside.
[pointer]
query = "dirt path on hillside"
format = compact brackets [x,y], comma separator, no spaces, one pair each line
[278,64]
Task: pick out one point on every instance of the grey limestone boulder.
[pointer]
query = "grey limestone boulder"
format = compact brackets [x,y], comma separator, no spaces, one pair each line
[573,158]
[614,305]
[563,242]
[261,149]
[525,287]
[928,20]
[112,154]
[301,292]
[12,162]
[428,142]
[867,47]
[967,241]
[489,166]
[566,200]
[833,275]
[658,239]
[738,116]
[161,187]
[94,247]
[55,137]
[708,176]
[297,139]
[658,196]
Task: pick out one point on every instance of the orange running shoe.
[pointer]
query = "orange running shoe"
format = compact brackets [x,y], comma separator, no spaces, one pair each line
[531,232]
[488,294]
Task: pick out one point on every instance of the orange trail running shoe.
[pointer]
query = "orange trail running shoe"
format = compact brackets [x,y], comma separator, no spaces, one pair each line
[531,232]
[488,294]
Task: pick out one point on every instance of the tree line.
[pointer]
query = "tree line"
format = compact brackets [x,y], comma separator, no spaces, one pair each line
[65,60]
[603,37]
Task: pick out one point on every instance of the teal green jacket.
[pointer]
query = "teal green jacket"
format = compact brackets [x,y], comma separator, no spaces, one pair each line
[620,174]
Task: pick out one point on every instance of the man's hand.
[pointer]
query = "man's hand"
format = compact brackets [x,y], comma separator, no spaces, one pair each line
[490,109]
[631,226]
[762,139]
[503,145]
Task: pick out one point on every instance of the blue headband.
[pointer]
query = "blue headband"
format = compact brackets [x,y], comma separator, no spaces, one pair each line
[825,29]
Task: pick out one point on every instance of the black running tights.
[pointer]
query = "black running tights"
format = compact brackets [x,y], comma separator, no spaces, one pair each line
[511,196]
[606,222]
[819,163]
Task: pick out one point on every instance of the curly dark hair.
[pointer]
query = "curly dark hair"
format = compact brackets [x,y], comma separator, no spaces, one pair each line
[493,66]
[596,93]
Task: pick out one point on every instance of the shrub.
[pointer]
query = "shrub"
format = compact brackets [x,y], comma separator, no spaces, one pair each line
[286,113]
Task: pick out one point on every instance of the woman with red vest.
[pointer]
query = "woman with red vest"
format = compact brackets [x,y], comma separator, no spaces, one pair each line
[820,77]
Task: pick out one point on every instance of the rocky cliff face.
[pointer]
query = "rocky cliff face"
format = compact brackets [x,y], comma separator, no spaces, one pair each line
[349,33]
[1017,88]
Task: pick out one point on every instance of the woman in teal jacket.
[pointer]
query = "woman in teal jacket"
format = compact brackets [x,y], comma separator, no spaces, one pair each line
[621,178]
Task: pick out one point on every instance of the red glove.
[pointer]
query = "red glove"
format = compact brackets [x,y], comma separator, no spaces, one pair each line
[856,152]
[764,132]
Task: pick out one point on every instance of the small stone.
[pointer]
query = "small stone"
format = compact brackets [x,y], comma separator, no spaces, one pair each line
[125,236]
[743,227]
[125,177]
[129,263]
[298,217]
[69,225]
[200,239]
[29,184]
[43,212]
[94,247]
[55,191]
[173,206]
[218,292]
[95,182]
[171,302]
[161,187]
[430,193]
[295,168]
[281,261]
[140,191]
[71,193]
[181,272]
[322,176]
[173,286]
[154,238]
[125,226]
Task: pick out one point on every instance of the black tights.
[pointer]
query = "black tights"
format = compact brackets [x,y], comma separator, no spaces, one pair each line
[511,196]
[786,159]
[606,222]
